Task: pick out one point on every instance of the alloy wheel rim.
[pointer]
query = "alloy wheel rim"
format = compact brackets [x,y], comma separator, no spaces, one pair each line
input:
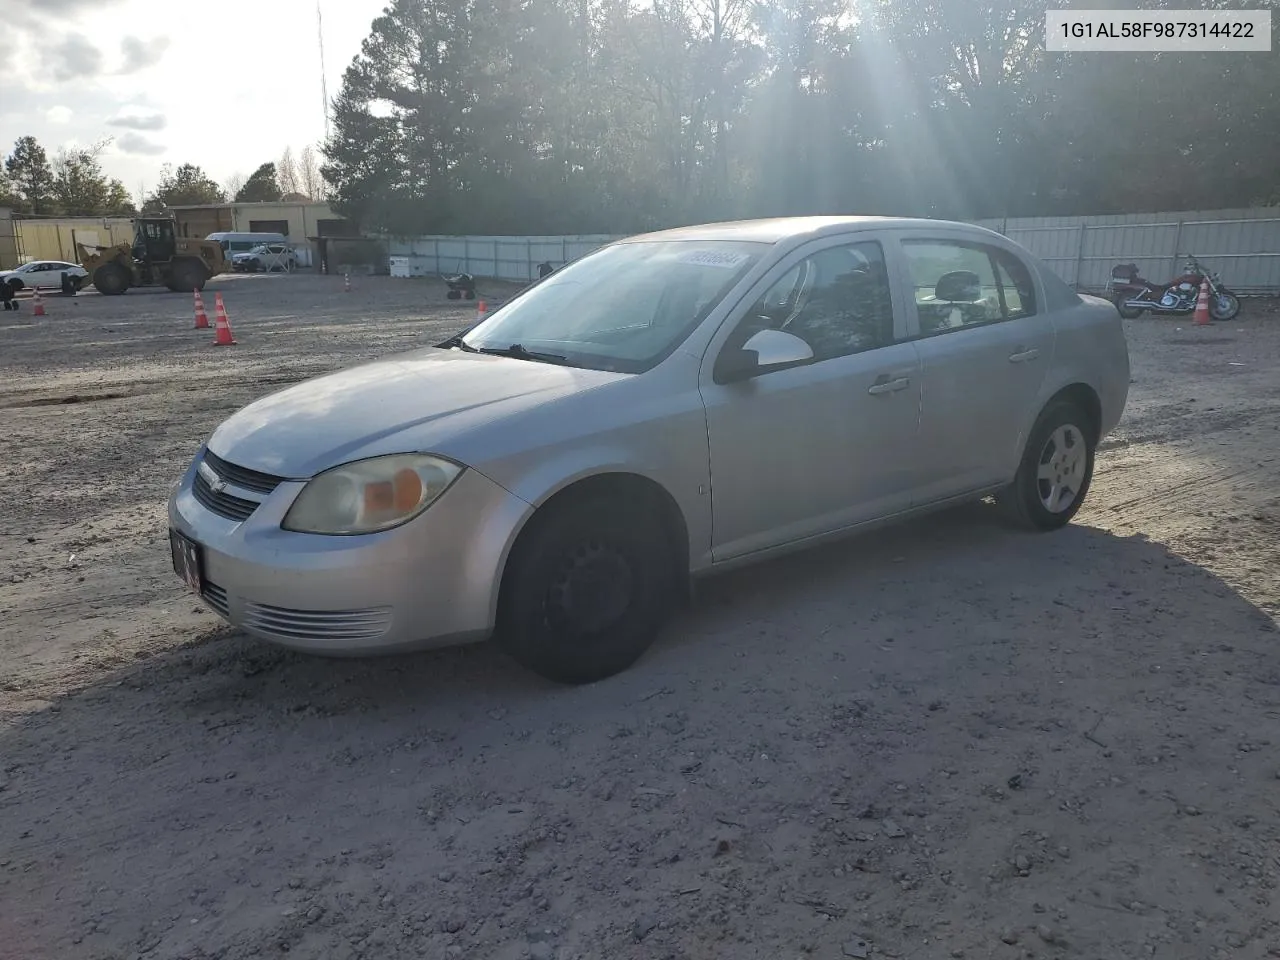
[1060,472]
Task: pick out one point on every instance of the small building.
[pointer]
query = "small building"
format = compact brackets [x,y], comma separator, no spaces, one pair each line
[298,221]
[25,238]
[8,241]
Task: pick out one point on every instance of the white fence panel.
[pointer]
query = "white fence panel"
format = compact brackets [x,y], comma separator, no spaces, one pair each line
[1242,245]
[499,258]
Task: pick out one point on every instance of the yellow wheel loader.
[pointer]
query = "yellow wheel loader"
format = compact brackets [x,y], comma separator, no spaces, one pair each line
[156,256]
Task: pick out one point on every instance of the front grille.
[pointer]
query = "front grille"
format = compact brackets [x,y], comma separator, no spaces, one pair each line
[317,624]
[215,597]
[241,476]
[228,504]
[223,504]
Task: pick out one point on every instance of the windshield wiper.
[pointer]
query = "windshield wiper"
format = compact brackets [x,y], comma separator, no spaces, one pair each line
[518,351]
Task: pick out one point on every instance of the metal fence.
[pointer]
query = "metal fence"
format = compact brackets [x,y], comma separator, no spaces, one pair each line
[1242,245]
[56,239]
[499,258]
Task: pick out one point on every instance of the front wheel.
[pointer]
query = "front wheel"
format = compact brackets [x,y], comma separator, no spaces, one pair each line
[586,591]
[187,276]
[1056,470]
[111,279]
[1129,313]
[1224,306]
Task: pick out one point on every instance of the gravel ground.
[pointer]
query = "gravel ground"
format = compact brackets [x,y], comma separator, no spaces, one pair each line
[946,740]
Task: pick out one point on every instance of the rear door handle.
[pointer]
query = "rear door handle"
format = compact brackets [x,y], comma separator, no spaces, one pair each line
[1022,356]
[889,383]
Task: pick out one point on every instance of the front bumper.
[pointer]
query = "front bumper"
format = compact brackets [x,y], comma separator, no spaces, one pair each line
[431,582]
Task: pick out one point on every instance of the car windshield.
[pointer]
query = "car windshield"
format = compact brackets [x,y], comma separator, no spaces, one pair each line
[624,308]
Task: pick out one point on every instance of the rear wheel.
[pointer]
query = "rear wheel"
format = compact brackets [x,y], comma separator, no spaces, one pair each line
[1056,470]
[586,590]
[111,279]
[187,275]
[1129,313]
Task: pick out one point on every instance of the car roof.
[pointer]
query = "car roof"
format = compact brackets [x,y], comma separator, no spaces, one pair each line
[777,229]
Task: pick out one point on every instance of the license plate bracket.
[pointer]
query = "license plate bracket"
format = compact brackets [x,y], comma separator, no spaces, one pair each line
[188,560]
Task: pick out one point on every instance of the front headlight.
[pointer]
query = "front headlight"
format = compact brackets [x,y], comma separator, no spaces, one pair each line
[370,495]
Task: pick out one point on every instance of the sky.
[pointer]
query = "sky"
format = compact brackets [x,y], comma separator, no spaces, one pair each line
[227,89]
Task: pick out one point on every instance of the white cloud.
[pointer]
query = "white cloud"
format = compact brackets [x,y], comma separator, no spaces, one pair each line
[136,143]
[58,114]
[125,67]
[140,54]
[73,58]
[133,119]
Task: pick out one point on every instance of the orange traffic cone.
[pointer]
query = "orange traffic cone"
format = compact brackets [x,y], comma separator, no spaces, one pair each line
[1202,305]
[481,309]
[202,318]
[37,303]
[222,326]
[346,283]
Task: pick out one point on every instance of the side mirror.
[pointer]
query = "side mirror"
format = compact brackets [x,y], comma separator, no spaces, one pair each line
[765,350]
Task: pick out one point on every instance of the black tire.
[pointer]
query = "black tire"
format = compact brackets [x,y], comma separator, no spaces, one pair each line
[1129,313]
[620,565]
[471,294]
[453,295]
[1224,306]
[111,279]
[1063,427]
[187,276]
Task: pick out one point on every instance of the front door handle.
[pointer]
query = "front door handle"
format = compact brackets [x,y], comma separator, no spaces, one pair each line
[1022,356]
[889,383]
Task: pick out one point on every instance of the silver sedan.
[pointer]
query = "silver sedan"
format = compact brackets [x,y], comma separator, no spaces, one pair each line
[671,405]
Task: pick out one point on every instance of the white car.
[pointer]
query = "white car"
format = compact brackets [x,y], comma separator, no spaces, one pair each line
[44,275]
[266,258]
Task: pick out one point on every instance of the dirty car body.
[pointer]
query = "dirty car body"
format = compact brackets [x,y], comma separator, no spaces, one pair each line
[671,405]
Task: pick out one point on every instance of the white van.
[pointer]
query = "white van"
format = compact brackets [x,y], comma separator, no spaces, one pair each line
[233,243]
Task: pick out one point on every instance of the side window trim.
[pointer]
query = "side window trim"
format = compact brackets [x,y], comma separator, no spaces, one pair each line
[738,312]
[1002,269]
[895,249]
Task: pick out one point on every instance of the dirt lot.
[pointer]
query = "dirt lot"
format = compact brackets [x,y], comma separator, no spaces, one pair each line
[951,740]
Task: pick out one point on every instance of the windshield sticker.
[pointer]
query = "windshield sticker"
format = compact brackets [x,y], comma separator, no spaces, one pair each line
[713,258]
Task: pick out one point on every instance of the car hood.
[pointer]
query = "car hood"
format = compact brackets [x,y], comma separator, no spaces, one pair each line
[411,402]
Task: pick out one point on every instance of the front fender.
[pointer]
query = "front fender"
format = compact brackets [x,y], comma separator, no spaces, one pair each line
[558,473]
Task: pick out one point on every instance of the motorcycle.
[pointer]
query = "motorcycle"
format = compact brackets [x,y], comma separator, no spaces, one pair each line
[1134,296]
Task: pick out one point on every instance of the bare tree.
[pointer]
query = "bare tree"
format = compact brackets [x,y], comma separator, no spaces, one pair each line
[309,173]
[287,172]
[234,183]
